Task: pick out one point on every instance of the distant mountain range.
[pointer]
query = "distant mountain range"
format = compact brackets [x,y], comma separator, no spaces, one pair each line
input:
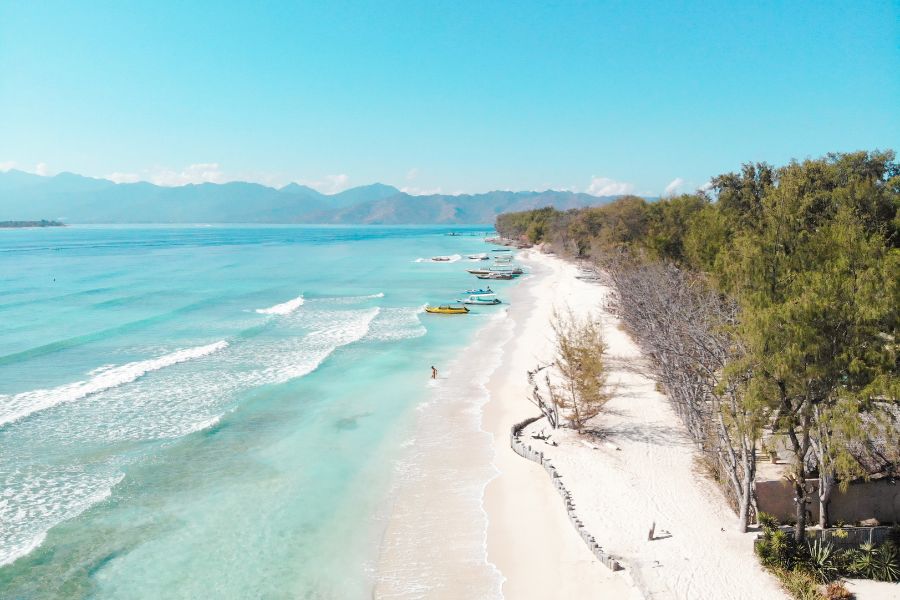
[76,199]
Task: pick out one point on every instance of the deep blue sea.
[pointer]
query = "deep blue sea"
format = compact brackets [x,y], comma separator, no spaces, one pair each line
[212,411]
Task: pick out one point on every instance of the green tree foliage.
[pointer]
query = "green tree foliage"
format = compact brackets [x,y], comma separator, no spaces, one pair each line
[581,390]
[809,253]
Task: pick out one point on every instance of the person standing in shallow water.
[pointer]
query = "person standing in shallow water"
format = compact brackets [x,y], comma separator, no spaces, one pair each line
[433,372]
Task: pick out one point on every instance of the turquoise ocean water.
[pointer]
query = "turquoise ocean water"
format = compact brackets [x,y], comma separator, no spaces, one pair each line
[212,411]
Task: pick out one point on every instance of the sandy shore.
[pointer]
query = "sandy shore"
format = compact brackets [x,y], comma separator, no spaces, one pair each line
[530,539]
[472,519]
[468,515]
[642,471]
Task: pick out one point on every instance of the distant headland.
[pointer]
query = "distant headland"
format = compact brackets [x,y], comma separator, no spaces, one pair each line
[22,224]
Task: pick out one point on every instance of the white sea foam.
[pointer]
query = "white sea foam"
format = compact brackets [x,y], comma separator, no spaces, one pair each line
[44,499]
[200,426]
[36,498]
[447,424]
[18,406]
[349,299]
[341,328]
[285,308]
[397,324]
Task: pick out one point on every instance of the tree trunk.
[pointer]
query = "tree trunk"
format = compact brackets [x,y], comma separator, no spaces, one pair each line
[826,487]
[800,501]
[749,459]
[801,447]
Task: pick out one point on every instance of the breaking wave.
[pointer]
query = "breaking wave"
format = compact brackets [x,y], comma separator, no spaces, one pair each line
[285,308]
[19,406]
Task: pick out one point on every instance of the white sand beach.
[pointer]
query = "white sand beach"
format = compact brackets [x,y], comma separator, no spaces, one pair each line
[641,472]
[463,478]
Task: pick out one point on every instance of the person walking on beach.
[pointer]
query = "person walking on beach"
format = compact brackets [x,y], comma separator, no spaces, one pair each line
[433,372]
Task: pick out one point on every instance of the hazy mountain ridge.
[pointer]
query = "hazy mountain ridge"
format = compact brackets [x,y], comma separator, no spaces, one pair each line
[77,199]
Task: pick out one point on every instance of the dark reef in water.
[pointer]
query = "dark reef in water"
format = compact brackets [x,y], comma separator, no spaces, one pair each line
[21,224]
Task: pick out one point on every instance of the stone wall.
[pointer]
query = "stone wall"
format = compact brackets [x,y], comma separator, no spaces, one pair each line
[523,449]
[867,500]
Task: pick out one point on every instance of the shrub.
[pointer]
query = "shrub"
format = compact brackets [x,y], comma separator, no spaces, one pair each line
[837,591]
[887,563]
[776,549]
[863,561]
[821,562]
[767,521]
[800,584]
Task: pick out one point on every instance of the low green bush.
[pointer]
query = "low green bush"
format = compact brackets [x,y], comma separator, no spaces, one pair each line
[821,562]
[804,568]
[887,563]
[767,521]
[799,584]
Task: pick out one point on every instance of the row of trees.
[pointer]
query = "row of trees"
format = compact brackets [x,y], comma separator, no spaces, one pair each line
[768,303]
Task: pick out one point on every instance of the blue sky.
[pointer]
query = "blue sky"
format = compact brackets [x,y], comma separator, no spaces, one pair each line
[448,96]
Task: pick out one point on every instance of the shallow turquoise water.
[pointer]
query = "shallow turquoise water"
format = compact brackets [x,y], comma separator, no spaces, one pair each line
[211,411]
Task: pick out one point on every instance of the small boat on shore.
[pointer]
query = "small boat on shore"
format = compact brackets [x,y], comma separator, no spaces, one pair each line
[483,299]
[446,309]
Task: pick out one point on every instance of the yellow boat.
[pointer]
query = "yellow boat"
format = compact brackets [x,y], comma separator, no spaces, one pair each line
[447,310]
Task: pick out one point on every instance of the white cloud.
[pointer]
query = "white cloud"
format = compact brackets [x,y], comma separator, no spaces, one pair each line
[42,168]
[412,174]
[123,177]
[196,173]
[604,186]
[673,187]
[417,191]
[706,186]
[331,184]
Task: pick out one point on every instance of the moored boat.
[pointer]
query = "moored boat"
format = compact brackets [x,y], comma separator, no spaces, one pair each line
[440,258]
[446,309]
[495,276]
[480,291]
[482,299]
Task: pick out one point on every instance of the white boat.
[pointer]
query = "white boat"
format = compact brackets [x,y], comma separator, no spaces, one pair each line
[482,299]
[441,258]
[479,257]
[499,270]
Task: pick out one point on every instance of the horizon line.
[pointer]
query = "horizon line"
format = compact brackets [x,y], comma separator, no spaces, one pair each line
[314,190]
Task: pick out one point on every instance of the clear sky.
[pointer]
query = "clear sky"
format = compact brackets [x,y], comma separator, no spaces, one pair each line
[450,96]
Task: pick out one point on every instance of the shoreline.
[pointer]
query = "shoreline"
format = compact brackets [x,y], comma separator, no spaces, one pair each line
[530,537]
[468,517]
[477,520]
[640,471]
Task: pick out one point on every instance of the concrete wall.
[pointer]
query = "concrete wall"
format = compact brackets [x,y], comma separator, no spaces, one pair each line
[867,500]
